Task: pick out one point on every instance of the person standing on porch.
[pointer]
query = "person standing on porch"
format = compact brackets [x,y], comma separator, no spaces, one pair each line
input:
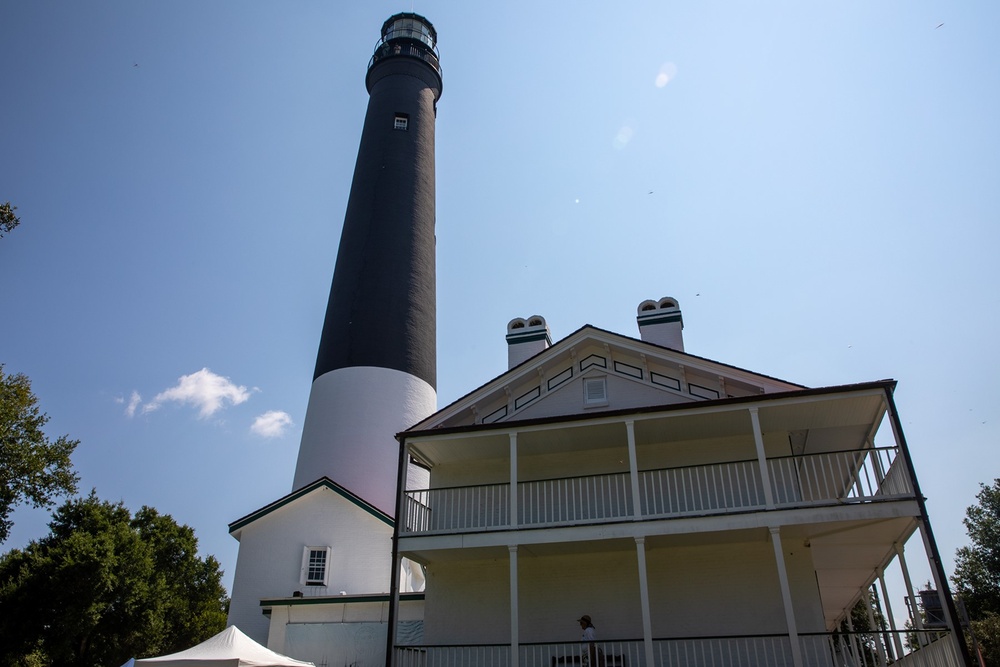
[592,654]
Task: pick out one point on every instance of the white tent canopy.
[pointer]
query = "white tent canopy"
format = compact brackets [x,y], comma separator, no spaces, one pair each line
[229,648]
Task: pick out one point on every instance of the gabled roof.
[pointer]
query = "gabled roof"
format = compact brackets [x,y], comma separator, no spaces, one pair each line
[321,483]
[559,354]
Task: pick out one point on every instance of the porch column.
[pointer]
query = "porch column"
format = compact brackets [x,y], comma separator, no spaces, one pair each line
[633,466]
[914,612]
[786,590]
[397,559]
[513,481]
[647,625]
[896,640]
[514,637]
[765,476]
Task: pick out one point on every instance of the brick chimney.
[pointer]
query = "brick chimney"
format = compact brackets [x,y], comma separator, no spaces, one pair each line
[660,323]
[526,338]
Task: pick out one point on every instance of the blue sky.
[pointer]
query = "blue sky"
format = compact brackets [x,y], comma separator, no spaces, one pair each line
[816,183]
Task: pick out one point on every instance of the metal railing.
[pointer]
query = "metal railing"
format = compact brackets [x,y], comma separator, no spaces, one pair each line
[852,476]
[610,653]
[463,508]
[392,49]
[844,477]
[934,649]
[574,500]
[706,489]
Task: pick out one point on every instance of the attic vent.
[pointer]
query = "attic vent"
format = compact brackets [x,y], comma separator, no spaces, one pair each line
[595,391]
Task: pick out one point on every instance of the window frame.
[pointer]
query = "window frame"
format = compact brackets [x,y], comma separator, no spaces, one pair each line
[307,566]
[589,402]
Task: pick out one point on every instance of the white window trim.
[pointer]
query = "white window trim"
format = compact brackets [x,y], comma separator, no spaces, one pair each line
[304,572]
[589,402]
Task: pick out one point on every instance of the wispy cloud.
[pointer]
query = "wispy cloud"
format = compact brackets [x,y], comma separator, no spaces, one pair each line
[204,390]
[133,404]
[271,424]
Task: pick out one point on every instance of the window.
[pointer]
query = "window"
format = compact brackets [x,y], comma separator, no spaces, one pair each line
[402,122]
[315,566]
[595,391]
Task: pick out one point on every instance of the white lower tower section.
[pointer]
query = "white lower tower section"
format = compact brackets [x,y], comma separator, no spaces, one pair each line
[353,416]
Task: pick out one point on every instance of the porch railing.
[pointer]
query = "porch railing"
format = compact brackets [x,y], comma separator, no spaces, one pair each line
[937,649]
[855,476]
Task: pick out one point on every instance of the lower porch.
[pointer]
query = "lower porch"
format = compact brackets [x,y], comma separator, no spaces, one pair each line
[911,648]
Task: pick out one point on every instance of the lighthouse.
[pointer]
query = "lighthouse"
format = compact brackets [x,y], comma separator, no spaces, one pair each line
[376,368]
[324,549]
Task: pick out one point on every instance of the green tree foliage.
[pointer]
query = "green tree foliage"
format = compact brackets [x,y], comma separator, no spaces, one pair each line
[977,566]
[33,468]
[987,633]
[8,221]
[977,571]
[105,586]
[859,634]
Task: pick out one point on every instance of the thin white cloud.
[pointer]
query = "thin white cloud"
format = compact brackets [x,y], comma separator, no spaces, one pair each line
[204,390]
[133,404]
[271,424]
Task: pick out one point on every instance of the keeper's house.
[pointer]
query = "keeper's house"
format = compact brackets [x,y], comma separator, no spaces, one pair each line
[702,514]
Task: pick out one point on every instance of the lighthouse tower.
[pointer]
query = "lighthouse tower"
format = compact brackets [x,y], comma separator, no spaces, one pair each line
[327,544]
[376,368]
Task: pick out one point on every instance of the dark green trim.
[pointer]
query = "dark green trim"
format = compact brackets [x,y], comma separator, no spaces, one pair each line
[619,365]
[335,599]
[323,482]
[513,339]
[533,393]
[584,365]
[676,317]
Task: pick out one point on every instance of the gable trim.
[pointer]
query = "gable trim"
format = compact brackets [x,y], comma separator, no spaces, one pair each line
[321,483]
[880,385]
[742,374]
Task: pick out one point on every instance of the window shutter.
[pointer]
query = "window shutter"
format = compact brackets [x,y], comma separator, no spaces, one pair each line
[595,390]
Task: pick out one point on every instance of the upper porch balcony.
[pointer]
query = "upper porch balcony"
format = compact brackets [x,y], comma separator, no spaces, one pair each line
[807,449]
[844,477]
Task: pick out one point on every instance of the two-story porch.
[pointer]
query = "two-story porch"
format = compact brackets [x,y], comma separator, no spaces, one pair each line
[729,532]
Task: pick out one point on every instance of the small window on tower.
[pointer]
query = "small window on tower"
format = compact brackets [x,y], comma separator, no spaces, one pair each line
[315,566]
[402,122]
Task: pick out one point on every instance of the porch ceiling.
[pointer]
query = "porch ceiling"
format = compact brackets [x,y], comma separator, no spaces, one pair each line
[846,420]
[846,557]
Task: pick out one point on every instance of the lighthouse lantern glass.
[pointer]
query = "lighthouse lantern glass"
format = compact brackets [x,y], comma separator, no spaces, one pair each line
[408,28]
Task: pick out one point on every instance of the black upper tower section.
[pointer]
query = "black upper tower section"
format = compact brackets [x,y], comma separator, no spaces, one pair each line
[382,309]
